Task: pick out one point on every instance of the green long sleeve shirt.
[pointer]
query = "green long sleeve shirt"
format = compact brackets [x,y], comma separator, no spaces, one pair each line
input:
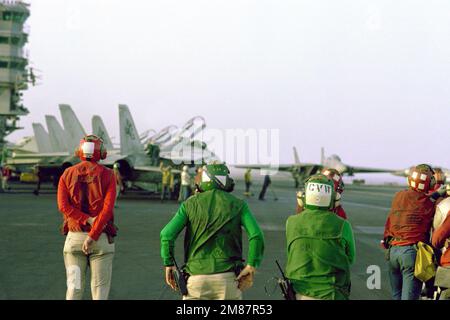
[348,241]
[321,249]
[181,220]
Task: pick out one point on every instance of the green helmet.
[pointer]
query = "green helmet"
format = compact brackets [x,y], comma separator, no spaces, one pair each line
[319,192]
[216,176]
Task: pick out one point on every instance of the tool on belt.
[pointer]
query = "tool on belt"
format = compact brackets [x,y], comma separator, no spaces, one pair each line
[285,285]
[180,279]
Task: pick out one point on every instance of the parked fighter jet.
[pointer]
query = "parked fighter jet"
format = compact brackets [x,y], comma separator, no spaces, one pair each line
[301,171]
[61,145]
[137,168]
[99,129]
[25,153]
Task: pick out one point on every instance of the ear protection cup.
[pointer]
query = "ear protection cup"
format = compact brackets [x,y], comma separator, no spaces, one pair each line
[103,152]
[99,151]
[432,182]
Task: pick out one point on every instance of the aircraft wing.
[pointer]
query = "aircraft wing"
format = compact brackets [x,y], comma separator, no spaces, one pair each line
[39,155]
[352,170]
[32,159]
[152,169]
[281,167]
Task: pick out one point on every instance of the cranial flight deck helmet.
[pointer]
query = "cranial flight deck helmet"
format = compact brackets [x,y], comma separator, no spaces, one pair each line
[216,176]
[336,177]
[319,192]
[421,178]
[439,174]
[91,148]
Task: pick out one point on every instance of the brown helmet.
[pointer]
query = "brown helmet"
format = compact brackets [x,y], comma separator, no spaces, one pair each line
[421,178]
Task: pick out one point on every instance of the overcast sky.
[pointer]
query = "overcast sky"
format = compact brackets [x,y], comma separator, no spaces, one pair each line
[368,80]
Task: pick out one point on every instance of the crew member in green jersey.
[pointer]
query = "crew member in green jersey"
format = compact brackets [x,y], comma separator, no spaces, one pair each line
[320,245]
[213,259]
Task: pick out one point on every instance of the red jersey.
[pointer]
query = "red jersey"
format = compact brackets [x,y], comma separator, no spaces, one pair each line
[340,212]
[6,172]
[410,218]
[440,240]
[87,190]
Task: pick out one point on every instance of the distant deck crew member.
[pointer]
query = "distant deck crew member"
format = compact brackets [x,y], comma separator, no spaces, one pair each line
[39,177]
[86,196]
[320,246]
[6,176]
[335,176]
[248,182]
[166,182]
[409,222]
[153,150]
[185,191]
[213,248]
[119,181]
[266,184]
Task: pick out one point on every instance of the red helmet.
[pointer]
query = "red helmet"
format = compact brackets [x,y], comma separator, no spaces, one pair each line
[421,178]
[91,149]
[336,177]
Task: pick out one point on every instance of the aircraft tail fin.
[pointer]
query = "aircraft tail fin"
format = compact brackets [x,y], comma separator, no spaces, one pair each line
[57,135]
[42,139]
[129,137]
[73,127]
[322,155]
[99,129]
[296,157]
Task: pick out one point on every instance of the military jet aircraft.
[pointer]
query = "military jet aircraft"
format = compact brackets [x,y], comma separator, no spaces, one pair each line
[301,171]
[61,144]
[137,168]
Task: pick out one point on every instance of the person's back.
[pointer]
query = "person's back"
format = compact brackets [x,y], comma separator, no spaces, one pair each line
[166,175]
[213,220]
[408,223]
[248,176]
[86,196]
[185,179]
[318,263]
[213,233]
[89,177]
[410,218]
[320,245]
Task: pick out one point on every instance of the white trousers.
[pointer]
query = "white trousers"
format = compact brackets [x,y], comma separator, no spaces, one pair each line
[77,263]
[220,286]
[302,297]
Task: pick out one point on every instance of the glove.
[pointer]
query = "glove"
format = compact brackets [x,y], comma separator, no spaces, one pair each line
[245,278]
[442,191]
[386,242]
